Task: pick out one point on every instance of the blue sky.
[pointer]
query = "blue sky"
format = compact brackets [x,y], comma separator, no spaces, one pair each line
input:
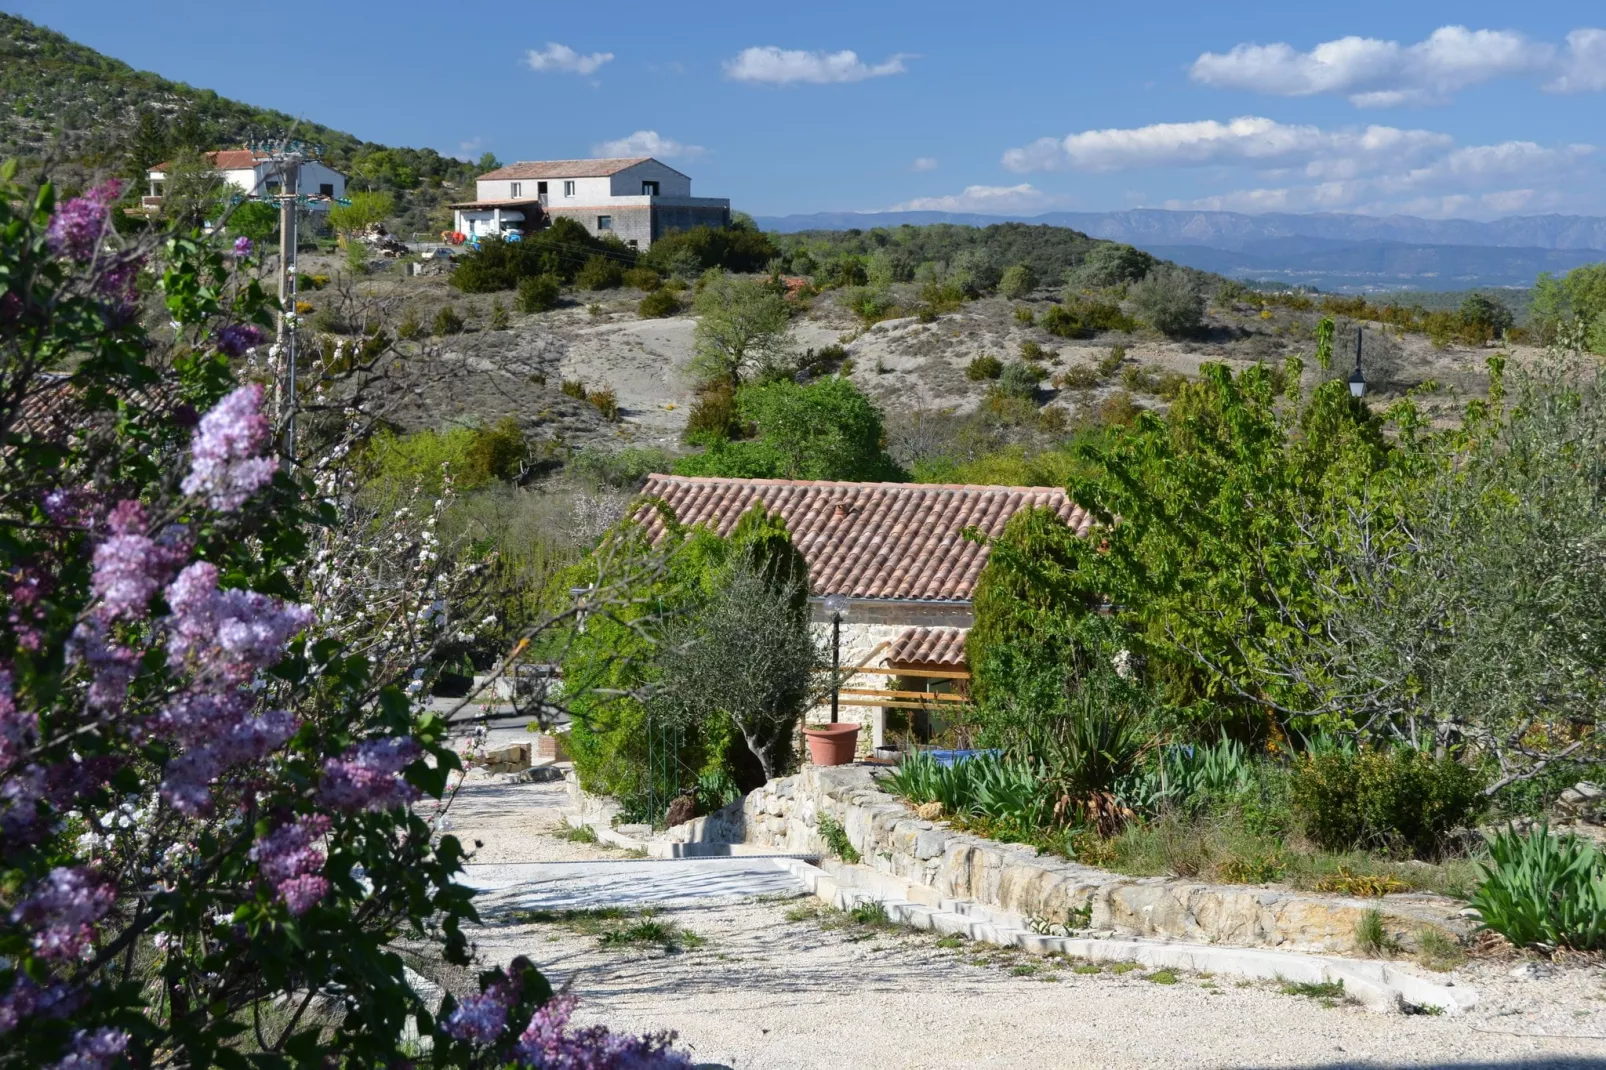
[1468,109]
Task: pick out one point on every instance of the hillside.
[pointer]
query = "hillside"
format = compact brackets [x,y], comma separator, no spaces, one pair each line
[96,114]
[1331,251]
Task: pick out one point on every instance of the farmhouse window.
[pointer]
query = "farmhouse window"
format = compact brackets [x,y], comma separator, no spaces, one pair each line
[649,189]
[517,189]
[604,222]
[568,189]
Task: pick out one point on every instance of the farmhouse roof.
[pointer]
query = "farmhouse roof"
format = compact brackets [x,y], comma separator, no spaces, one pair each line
[867,540]
[567,168]
[223,160]
[928,646]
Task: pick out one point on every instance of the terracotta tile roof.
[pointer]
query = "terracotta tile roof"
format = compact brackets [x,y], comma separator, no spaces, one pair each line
[224,160]
[564,168]
[867,540]
[928,646]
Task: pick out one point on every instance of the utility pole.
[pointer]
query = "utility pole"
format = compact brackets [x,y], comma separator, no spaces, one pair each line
[287,156]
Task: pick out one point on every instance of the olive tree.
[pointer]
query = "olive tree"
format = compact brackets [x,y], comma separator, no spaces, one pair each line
[743,329]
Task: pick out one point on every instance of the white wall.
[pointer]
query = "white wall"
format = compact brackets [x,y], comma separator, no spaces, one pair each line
[587,191]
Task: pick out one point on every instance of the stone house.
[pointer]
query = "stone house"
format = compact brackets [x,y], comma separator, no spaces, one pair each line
[898,554]
[636,199]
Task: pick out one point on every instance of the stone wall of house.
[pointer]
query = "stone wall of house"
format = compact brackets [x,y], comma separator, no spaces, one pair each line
[785,815]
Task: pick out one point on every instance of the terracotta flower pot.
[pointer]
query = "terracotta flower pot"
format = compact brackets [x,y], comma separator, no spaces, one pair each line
[832,744]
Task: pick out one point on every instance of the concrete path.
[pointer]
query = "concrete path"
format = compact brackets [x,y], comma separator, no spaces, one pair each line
[630,883]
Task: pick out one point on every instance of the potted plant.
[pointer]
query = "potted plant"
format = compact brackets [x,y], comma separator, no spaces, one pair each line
[837,742]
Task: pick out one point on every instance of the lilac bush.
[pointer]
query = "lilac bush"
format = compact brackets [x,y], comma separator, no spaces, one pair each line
[211,738]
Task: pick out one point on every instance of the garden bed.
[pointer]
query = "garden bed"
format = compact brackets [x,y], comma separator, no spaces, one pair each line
[941,862]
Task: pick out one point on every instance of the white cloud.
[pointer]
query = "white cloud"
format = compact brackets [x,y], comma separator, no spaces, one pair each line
[1248,139]
[564,60]
[776,66]
[924,163]
[1376,73]
[647,143]
[1582,68]
[994,199]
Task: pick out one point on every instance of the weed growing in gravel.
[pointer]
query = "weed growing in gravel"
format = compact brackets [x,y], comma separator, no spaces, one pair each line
[649,932]
[1431,1009]
[1372,936]
[1329,993]
[615,927]
[1437,951]
[873,915]
[1024,969]
[577,834]
[809,911]
[589,921]
[950,942]
[1162,977]
[1088,968]
[1123,967]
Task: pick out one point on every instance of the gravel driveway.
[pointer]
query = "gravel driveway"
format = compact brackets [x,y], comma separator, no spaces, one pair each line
[776,985]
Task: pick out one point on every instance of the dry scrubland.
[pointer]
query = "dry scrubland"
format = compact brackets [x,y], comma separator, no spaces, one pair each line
[908,367]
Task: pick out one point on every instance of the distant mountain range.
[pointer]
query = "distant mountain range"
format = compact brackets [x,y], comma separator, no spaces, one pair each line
[1331,251]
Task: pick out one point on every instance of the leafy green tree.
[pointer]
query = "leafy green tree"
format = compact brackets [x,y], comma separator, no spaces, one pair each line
[743,330]
[1170,301]
[538,293]
[1018,281]
[257,220]
[365,210]
[1486,315]
[487,162]
[1111,264]
[826,429]
[739,249]
[194,192]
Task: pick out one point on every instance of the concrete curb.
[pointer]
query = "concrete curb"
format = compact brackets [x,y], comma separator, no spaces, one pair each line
[1377,986]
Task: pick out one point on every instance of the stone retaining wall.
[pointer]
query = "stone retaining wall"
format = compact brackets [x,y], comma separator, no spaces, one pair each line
[940,863]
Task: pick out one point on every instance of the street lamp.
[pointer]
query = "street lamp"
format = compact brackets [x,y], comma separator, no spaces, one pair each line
[836,607]
[1357,381]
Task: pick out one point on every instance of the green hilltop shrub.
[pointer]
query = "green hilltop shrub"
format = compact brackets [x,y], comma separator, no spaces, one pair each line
[1017,281]
[659,304]
[713,416]
[740,249]
[1064,322]
[1544,891]
[1170,302]
[447,321]
[984,367]
[475,457]
[606,402]
[1023,315]
[538,293]
[600,273]
[643,278]
[1399,800]
[1111,362]
[499,317]
[1020,380]
[573,388]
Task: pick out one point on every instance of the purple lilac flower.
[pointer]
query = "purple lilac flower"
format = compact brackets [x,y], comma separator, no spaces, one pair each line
[18,728]
[230,634]
[547,1044]
[112,667]
[481,1019]
[235,339]
[289,858]
[21,792]
[94,1050]
[130,566]
[28,1000]
[117,281]
[242,246]
[368,776]
[62,909]
[226,466]
[65,507]
[218,729]
[76,229]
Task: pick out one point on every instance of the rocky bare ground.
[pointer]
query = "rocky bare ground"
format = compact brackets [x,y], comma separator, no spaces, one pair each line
[774,988]
[909,367]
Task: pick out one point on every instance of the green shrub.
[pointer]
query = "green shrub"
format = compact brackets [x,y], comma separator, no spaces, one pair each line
[926,314]
[1031,352]
[713,417]
[447,321]
[499,316]
[475,456]
[1020,380]
[1017,281]
[605,401]
[1077,377]
[1023,315]
[1402,800]
[1064,323]
[574,388]
[1544,891]
[409,328]
[1170,302]
[1111,363]
[643,278]
[984,367]
[658,304]
[538,293]
[836,840]
[600,273]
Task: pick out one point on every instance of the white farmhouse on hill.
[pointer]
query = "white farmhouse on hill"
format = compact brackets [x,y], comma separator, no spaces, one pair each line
[257,175]
[636,199]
